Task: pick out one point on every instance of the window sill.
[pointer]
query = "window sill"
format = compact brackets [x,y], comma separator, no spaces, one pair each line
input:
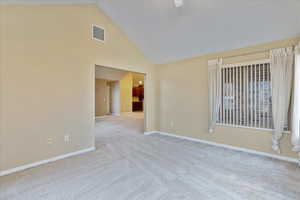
[253,128]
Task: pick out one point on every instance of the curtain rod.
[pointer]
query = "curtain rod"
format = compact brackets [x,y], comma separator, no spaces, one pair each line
[250,53]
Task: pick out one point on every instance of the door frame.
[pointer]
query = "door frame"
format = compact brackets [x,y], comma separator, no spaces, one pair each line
[145,103]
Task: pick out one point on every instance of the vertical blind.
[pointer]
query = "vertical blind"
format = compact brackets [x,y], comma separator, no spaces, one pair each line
[246,95]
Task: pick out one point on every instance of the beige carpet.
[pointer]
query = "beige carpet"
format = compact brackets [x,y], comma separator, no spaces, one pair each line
[128,165]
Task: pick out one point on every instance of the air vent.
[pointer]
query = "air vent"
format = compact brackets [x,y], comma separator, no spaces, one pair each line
[98,33]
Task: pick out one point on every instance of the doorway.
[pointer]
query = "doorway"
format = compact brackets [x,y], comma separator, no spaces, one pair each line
[119,93]
[138,93]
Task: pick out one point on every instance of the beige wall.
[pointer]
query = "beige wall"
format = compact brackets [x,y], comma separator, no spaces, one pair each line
[47,78]
[126,84]
[183,101]
[124,98]
[1,87]
[114,101]
[101,97]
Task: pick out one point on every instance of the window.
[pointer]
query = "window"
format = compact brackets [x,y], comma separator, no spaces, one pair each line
[246,95]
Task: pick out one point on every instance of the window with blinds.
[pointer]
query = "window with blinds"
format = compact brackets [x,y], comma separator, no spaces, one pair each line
[246,95]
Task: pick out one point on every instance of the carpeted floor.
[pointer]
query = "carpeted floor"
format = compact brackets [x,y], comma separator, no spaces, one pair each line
[130,166]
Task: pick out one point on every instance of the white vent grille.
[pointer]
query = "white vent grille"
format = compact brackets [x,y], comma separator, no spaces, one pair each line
[98,33]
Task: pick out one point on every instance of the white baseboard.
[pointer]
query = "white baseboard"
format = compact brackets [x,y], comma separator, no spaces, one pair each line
[150,132]
[115,114]
[101,117]
[42,162]
[293,160]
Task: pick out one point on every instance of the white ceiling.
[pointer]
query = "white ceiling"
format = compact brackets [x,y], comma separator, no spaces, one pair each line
[47,1]
[112,74]
[109,73]
[166,33]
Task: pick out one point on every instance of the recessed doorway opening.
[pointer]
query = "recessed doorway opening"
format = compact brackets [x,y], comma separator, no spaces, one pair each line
[119,93]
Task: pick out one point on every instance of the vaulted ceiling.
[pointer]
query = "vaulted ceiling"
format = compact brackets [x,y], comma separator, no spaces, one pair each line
[165,33]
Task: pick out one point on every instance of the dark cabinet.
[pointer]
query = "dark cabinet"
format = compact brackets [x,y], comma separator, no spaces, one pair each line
[138,92]
[137,106]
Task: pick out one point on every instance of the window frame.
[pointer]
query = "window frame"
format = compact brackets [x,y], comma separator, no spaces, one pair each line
[233,65]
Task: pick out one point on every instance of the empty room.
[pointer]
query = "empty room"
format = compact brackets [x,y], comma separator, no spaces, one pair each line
[149,100]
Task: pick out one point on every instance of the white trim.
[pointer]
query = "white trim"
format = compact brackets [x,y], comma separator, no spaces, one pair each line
[255,62]
[92,33]
[101,117]
[150,132]
[213,62]
[42,162]
[288,159]
[116,114]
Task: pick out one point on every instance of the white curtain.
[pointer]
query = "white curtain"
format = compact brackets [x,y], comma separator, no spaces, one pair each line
[214,82]
[282,61]
[296,103]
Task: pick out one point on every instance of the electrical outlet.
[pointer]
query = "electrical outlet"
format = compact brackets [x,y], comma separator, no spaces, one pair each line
[49,140]
[172,124]
[67,138]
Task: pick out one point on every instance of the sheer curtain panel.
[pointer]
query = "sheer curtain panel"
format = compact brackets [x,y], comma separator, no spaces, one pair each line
[296,101]
[214,83]
[281,66]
